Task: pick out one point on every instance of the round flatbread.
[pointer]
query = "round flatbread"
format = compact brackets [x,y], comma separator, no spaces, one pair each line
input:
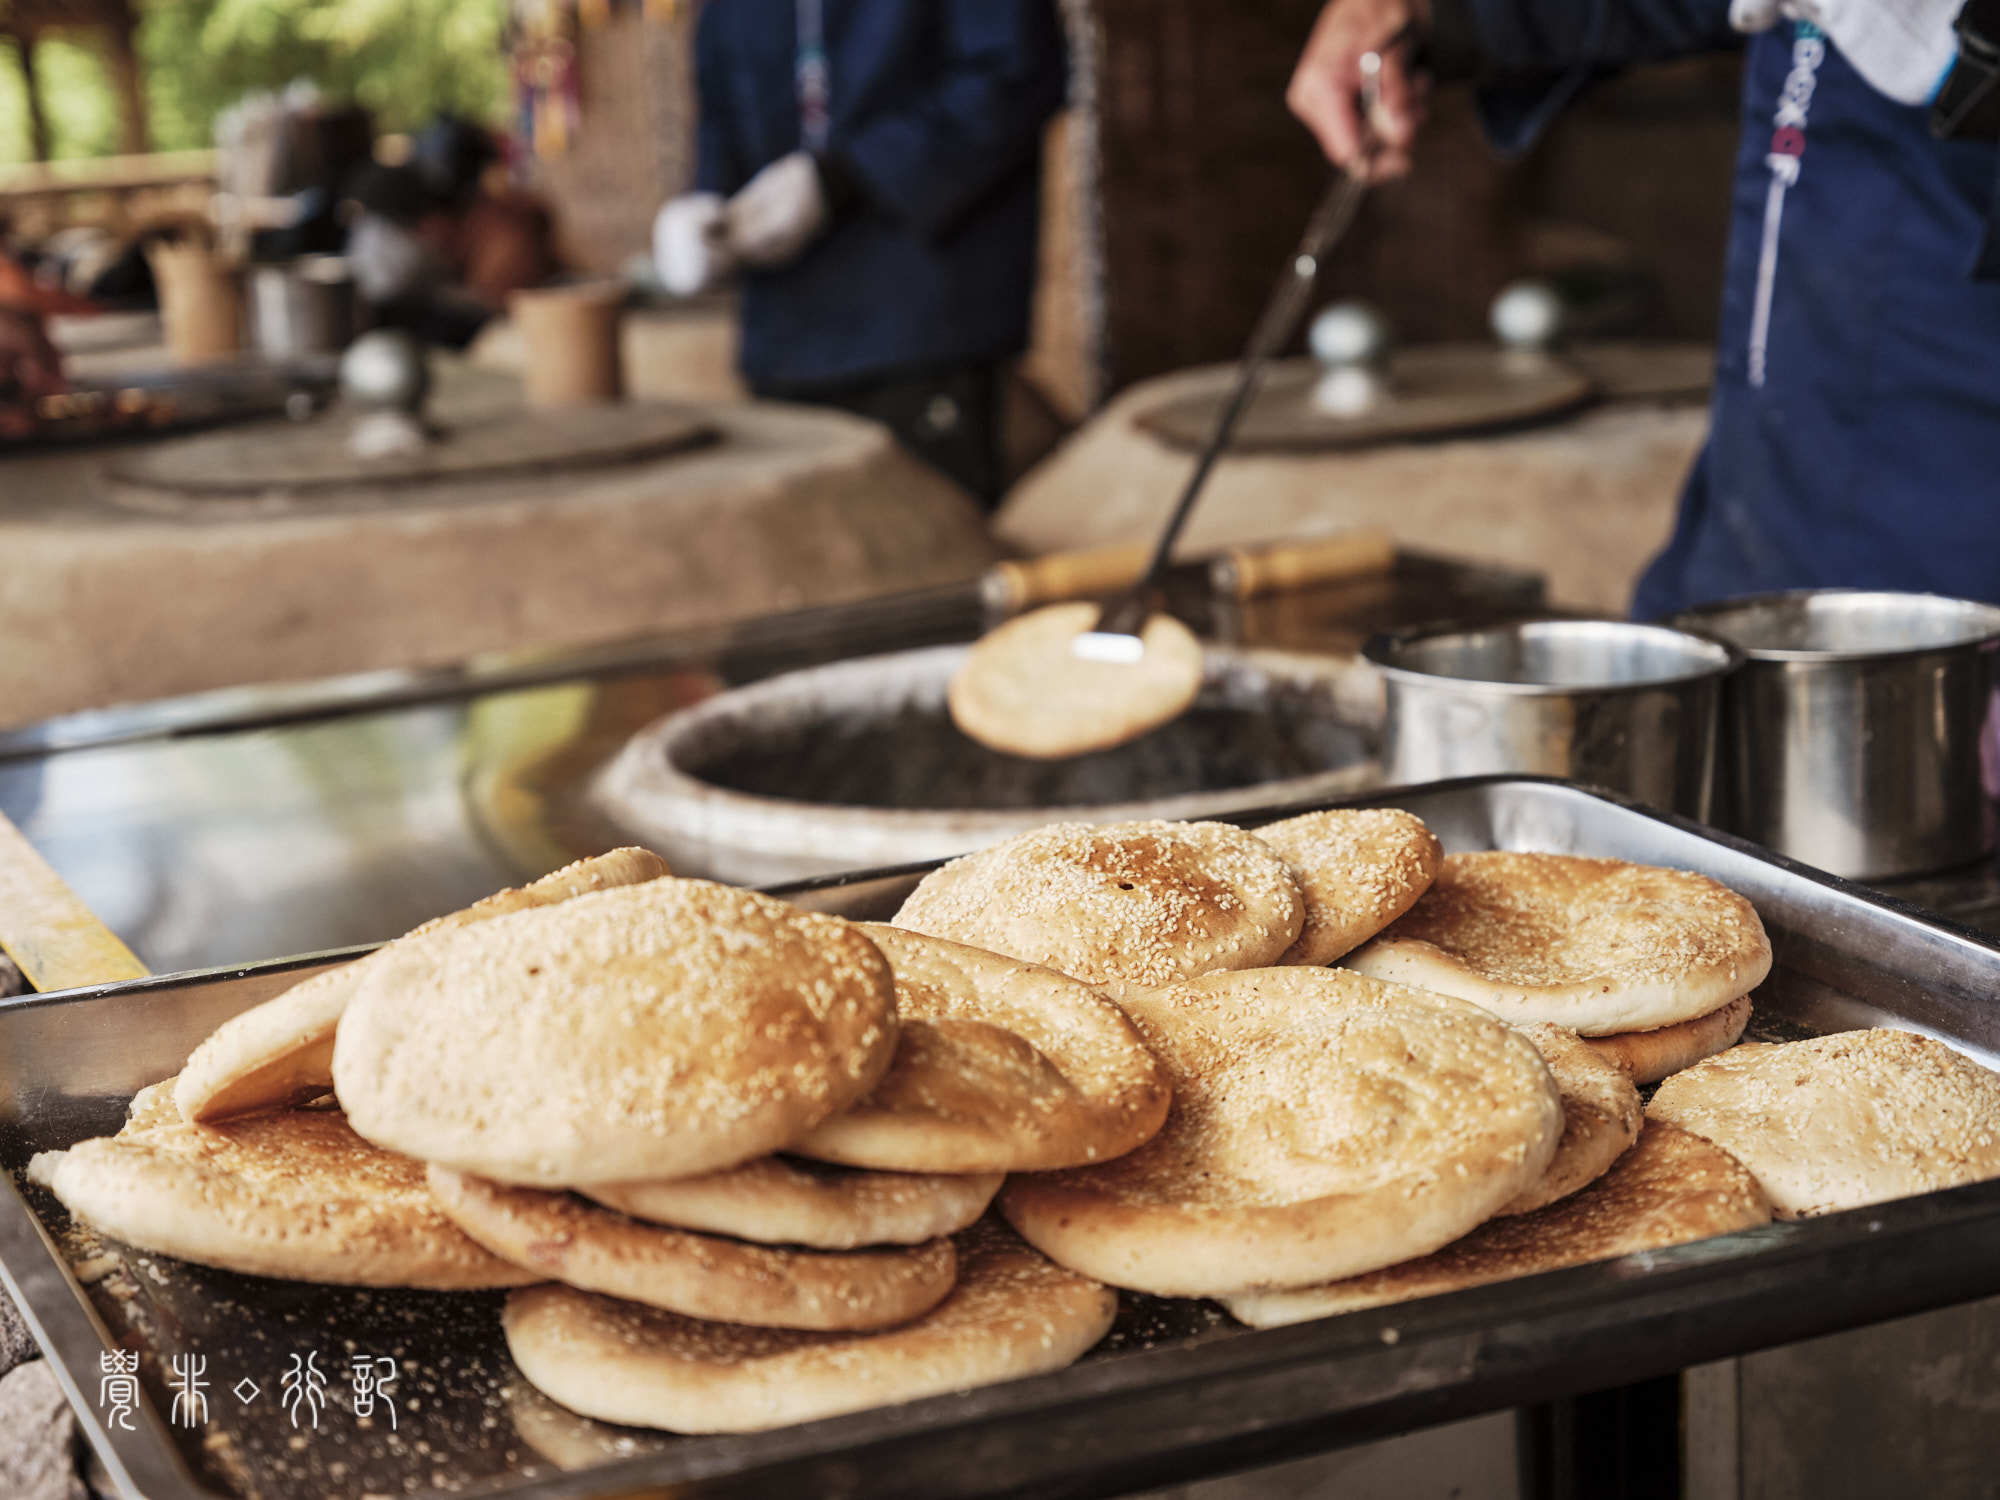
[1601,1116]
[562,1238]
[1011,1315]
[1670,1188]
[1022,690]
[1649,1056]
[1001,1066]
[1597,945]
[778,1201]
[663,1030]
[1123,906]
[295,1194]
[1845,1120]
[1323,1124]
[1358,868]
[281,1052]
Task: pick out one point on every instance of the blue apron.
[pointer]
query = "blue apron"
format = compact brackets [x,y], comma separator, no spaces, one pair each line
[1855,433]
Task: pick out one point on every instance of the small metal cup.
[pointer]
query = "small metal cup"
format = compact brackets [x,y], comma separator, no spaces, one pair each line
[1851,738]
[1629,707]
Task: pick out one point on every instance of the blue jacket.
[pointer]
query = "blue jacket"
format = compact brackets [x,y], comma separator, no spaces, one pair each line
[936,114]
[1855,422]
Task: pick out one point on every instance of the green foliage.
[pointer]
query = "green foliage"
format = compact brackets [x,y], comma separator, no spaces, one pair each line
[404,59]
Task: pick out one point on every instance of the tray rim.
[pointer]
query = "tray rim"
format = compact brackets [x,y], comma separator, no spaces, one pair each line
[148,1463]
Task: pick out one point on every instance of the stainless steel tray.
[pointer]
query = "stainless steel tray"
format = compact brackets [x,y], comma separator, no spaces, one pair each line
[1176,1391]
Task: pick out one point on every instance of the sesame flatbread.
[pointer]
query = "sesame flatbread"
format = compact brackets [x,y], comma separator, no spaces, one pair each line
[1649,1056]
[1122,906]
[1001,1066]
[1323,1124]
[1601,1116]
[1358,868]
[1597,945]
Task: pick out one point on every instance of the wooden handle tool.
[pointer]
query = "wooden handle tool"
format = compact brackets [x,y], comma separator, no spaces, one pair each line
[46,928]
[1009,587]
[1246,572]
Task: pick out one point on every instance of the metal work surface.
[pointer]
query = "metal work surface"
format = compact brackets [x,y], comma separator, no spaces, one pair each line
[256,823]
[1178,1390]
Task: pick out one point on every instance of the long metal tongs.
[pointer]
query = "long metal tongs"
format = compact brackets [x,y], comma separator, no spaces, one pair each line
[1116,635]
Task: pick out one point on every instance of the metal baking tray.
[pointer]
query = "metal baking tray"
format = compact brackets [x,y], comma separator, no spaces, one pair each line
[1176,1391]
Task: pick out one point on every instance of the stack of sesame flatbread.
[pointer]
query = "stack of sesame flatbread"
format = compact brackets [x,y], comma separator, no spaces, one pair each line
[747,1165]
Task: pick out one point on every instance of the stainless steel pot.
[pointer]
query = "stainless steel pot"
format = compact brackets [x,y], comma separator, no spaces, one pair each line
[1851,737]
[1630,707]
[302,307]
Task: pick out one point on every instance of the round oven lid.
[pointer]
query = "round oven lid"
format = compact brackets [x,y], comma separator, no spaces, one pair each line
[314,458]
[1430,391]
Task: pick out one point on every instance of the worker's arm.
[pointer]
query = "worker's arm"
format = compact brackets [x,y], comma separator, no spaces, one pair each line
[717,166]
[930,157]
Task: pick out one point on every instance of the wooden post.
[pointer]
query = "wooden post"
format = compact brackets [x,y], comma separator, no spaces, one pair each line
[135,138]
[38,125]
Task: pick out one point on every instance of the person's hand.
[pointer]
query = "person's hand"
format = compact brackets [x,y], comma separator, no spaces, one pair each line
[779,212]
[690,247]
[30,369]
[1326,87]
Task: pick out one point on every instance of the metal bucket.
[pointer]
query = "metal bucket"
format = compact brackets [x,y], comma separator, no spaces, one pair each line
[302,308]
[1851,738]
[1629,707]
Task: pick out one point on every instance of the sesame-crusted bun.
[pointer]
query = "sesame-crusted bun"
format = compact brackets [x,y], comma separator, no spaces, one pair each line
[1123,906]
[1649,1056]
[563,1238]
[294,1194]
[1002,1066]
[1670,1188]
[1323,1124]
[281,1052]
[1012,1314]
[1358,868]
[778,1201]
[1597,945]
[1845,1120]
[662,1030]
[1022,690]
[1601,1116]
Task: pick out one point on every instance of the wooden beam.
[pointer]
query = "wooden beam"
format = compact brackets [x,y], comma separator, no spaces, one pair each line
[134,137]
[38,124]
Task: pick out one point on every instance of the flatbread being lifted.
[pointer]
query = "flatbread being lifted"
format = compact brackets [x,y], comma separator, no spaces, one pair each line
[1122,906]
[1001,1066]
[1670,1188]
[1323,1124]
[1012,1314]
[658,1031]
[281,1052]
[1601,1116]
[1358,868]
[1845,1120]
[1649,1056]
[560,1237]
[776,1200]
[1022,690]
[294,1193]
[1597,945]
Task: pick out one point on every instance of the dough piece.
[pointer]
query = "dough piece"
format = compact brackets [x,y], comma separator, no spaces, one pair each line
[1601,1116]
[1022,690]
[1597,945]
[1323,1125]
[1011,1315]
[664,1030]
[1650,1056]
[281,1052]
[1002,1066]
[562,1238]
[1358,868]
[777,1201]
[1670,1188]
[1123,906]
[1845,1120]
[295,1194]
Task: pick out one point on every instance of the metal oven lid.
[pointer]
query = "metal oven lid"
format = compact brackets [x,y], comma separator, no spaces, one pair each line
[1176,1391]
